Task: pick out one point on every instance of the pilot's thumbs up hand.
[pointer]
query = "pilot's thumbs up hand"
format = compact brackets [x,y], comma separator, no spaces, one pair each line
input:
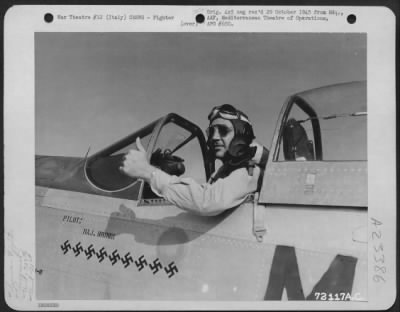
[135,163]
[139,145]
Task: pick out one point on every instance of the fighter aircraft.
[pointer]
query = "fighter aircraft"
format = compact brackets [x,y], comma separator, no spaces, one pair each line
[103,235]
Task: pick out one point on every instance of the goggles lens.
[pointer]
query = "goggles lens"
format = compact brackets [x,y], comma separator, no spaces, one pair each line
[222,130]
[227,112]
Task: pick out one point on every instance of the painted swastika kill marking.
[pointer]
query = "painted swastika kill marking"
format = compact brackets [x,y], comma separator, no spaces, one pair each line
[171,269]
[77,249]
[89,252]
[127,260]
[114,257]
[141,263]
[156,266]
[66,247]
[101,254]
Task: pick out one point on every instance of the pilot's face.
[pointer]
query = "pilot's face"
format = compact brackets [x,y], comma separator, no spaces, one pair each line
[220,135]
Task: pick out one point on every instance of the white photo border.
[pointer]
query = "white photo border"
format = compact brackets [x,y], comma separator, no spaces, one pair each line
[22,22]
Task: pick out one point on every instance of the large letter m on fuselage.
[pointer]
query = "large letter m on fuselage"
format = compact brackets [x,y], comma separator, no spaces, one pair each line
[285,274]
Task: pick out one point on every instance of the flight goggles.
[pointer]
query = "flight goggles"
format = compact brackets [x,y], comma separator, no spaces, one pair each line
[227,111]
[223,130]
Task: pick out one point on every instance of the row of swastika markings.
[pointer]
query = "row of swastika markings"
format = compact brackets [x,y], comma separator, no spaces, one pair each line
[114,257]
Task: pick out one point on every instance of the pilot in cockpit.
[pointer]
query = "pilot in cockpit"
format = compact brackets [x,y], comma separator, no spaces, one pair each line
[230,138]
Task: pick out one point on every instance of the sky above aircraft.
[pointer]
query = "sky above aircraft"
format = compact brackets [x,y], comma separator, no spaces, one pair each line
[92,89]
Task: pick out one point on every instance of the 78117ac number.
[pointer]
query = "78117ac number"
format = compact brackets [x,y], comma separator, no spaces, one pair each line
[342,296]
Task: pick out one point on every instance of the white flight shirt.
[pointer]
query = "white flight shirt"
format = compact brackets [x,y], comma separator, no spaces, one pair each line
[208,199]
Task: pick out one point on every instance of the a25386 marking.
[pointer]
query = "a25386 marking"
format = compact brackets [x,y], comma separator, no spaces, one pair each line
[379,268]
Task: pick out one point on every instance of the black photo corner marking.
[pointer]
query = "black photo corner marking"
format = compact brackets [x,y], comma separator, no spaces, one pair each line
[48,17]
[200,18]
[351,18]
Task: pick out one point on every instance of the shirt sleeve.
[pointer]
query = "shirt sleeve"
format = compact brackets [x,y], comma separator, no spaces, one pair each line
[205,199]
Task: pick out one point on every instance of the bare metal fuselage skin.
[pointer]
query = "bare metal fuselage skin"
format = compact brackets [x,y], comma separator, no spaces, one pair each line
[93,244]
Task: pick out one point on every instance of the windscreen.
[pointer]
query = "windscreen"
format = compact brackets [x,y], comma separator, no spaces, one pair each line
[341,112]
[102,169]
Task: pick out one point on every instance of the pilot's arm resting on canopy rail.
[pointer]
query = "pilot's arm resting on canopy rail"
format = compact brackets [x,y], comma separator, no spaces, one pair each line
[207,199]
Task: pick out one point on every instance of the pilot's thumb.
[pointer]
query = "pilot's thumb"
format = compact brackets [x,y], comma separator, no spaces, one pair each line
[139,145]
